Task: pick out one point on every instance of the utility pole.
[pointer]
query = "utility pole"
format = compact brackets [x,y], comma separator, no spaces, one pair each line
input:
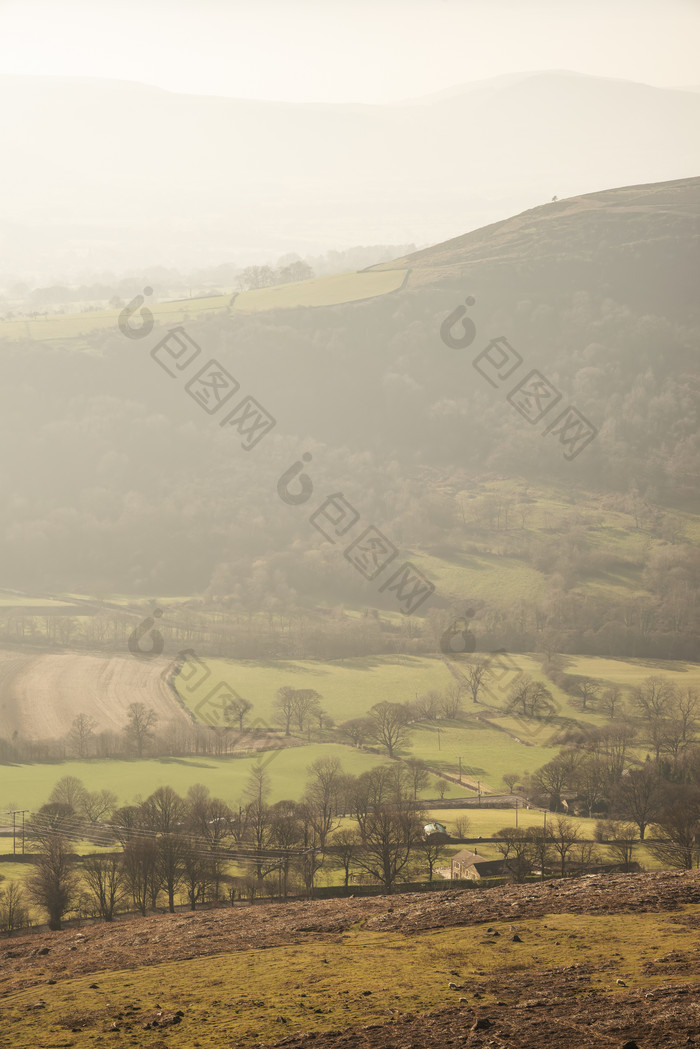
[438,732]
[460,770]
[516,812]
[478,789]
[14,813]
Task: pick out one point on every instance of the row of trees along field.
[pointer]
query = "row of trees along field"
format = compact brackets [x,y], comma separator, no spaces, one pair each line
[202,849]
[659,715]
[603,770]
[237,621]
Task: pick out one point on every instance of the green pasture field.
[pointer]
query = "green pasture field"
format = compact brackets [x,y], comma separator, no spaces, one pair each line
[28,786]
[485,743]
[487,754]
[629,673]
[320,291]
[498,580]
[348,687]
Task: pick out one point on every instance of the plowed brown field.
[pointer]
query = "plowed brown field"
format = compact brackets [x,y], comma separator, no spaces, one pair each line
[40,694]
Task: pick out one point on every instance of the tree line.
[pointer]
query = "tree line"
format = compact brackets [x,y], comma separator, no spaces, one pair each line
[298,715]
[200,849]
[599,771]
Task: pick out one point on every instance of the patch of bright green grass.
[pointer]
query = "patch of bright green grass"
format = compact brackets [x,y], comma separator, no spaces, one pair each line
[321,291]
[225,777]
[348,687]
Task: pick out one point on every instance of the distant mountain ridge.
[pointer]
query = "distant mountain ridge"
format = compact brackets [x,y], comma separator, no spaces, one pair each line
[105,174]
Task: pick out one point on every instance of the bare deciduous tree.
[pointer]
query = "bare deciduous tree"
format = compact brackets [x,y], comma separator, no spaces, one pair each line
[357,730]
[237,711]
[461,826]
[68,791]
[321,796]
[81,735]
[343,846]
[390,725]
[477,673]
[14,913]
[528,698]
[563,840]
[621,842]
[139,862]
[431,851]
[676,832]
[284,707]
[514,846]
[418,775]
[390,833]
[53,885]
[611,702]
[139,728]
[105,879]
[588,690]
[163,811]
[638,797]
[451,701]
[97,804]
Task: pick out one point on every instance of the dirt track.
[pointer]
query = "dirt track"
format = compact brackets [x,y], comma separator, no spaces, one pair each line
[41,694]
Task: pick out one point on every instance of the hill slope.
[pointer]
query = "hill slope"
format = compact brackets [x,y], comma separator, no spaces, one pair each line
[418,970]
[600,234]
[596,293]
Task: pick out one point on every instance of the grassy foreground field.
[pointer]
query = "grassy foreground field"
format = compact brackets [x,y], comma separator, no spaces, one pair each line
[586,969]
[251,991]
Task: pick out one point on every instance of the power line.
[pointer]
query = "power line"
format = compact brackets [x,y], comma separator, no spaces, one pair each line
[105,834]
[14,813]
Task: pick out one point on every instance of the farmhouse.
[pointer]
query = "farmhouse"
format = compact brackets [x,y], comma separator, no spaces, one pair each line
[466,864]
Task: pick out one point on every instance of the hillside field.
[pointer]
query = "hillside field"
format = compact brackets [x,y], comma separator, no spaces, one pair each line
[319,291]
[28,786]
[586,962]
[41,694]
[489,742]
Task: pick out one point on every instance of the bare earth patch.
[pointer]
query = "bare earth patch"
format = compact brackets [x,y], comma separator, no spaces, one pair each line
[41,694]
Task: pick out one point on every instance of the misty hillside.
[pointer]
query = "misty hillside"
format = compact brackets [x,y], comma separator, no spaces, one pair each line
[115,174]
[618,241]
[120,483]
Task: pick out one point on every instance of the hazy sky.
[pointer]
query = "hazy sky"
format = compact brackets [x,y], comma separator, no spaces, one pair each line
[347,50]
